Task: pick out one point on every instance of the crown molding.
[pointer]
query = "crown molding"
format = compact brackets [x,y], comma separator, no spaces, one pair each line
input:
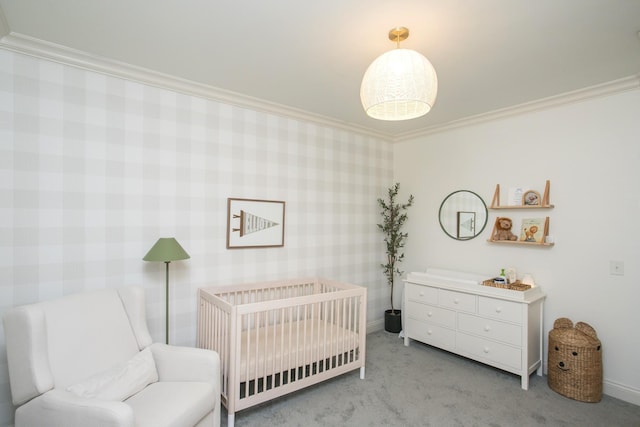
[596,91]
[54,52]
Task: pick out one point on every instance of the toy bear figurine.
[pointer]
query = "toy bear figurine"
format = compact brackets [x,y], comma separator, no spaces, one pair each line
[575,361]
[503,229]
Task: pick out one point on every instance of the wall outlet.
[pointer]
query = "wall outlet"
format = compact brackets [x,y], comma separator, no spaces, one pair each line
[616,268]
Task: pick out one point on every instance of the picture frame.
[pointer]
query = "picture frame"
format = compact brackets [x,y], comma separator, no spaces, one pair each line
[533,230]
[531,198]
[255,223]
[465,225]
[514,196]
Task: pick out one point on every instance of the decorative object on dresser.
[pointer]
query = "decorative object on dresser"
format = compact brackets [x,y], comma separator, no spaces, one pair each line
[393,218]
[527,279]
[575,361]
[516,286]
[499,327]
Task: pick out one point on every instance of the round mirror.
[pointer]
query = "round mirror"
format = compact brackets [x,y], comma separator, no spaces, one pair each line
[463,215]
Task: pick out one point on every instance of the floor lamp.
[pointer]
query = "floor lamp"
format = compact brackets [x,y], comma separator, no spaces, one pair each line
[166,249]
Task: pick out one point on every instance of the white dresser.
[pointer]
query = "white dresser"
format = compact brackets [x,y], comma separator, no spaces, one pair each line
[498,327]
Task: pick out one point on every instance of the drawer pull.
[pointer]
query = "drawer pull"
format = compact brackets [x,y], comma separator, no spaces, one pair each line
[456,301]
[429,314]
[487,328]
[486,349]
[421,293]
[498,309]
[429,332]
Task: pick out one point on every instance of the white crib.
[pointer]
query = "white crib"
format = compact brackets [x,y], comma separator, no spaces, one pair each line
[278,337]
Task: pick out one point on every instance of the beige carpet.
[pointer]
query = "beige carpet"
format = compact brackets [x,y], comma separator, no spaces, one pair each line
[423,386]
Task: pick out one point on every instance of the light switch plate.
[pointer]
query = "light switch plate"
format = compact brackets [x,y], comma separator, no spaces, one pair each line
[616,268]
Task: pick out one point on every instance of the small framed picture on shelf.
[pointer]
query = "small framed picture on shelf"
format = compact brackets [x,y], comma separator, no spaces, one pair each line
[532,230]
[531,198]
[515,196]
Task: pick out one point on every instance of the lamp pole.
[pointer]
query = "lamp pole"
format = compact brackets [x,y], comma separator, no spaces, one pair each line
[166,249]
[167,303]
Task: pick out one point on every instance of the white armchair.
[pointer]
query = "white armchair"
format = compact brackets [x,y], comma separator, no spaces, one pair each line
[87,360]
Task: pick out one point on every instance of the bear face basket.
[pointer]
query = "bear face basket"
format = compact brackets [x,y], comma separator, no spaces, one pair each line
[575,361]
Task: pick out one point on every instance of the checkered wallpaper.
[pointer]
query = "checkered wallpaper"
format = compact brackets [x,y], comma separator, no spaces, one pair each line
[94,169]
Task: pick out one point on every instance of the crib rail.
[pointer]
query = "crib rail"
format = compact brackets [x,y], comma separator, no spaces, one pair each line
[277,290]
[278,337]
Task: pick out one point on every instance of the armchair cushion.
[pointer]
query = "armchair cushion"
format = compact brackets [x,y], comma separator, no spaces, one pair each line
[121,381]
[188,402]
[60,408]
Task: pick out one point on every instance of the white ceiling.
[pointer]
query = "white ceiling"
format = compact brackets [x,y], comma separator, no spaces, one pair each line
[311,55]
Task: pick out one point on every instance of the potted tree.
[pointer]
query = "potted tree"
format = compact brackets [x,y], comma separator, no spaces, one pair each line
[394,216]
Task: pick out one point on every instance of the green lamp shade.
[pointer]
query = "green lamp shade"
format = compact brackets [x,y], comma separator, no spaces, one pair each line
[166,249]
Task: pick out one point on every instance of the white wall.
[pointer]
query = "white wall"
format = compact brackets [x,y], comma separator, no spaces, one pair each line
[94,169]
[590,151]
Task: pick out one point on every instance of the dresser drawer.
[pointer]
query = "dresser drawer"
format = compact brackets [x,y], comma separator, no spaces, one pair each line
[419,293]
[431,334]
[488,350]
[457,300]
[429,313]
[500,309]
[492,329]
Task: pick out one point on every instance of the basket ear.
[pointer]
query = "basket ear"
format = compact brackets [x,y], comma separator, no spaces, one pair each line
[562,323]
[586,329]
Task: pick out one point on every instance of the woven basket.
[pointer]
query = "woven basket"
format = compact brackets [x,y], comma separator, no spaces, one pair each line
[515,286]
[575,361]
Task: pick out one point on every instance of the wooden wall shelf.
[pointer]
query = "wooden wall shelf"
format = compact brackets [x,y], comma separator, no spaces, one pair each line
[522,207]
[544,204]
[517,242]
[495,203]
[545,233]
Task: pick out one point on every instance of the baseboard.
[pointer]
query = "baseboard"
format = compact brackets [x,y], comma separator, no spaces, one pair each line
[621,391]
[376,325]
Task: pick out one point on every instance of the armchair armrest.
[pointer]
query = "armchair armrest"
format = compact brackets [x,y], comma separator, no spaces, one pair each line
[175,363]
[59,408]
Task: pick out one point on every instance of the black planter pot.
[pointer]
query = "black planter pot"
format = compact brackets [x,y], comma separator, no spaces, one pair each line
[392,321]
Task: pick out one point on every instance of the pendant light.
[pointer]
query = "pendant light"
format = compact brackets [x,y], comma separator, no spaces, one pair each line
[400,84]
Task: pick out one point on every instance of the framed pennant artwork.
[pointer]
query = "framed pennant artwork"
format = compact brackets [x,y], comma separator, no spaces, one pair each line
[254,223]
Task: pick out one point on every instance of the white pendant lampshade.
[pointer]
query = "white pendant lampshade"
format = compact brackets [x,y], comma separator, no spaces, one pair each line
[400,84]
